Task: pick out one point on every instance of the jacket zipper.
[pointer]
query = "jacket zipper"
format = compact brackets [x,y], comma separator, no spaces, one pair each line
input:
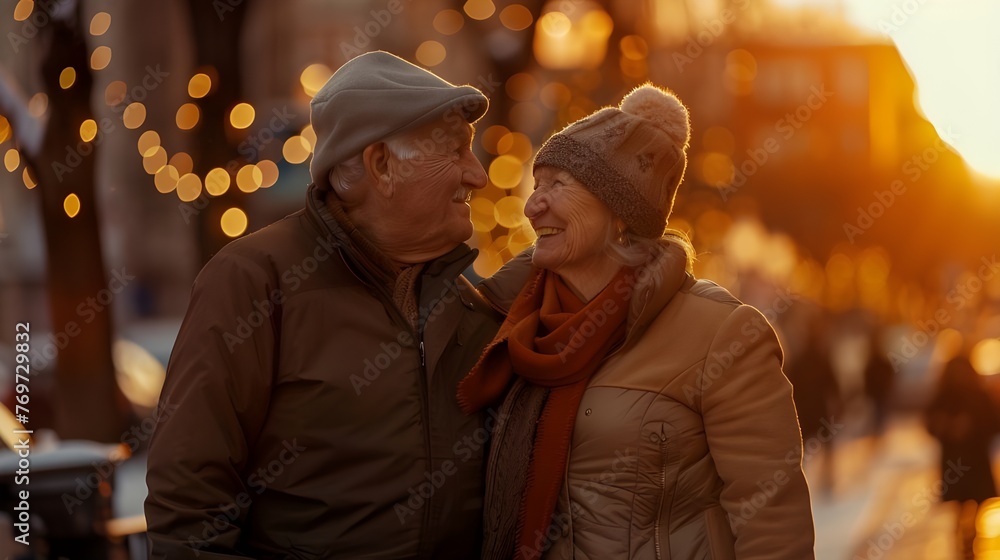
[425,419]
[424,397]
[663,491]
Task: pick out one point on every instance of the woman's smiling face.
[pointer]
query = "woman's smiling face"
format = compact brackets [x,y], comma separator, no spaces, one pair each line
[573,225]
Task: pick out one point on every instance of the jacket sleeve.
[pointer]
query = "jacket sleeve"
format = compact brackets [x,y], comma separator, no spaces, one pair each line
[754,438]
[502,288]
[217,386]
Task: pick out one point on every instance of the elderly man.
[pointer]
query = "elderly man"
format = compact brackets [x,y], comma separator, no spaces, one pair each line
[314,374]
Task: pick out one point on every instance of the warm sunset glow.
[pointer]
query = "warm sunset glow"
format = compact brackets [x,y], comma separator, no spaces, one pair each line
[954,55]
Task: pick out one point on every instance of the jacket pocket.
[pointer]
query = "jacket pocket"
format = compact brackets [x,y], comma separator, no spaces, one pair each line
[721,541]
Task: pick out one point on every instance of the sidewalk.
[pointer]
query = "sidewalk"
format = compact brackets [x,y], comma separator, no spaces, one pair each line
[884,505]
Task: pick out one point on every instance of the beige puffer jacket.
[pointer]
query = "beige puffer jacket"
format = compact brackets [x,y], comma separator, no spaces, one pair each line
[686,444]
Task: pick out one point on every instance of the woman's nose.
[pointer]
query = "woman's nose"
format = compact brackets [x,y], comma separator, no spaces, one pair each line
[535,206]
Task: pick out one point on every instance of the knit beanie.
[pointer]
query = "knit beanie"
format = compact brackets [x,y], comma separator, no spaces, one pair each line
[631,157]
[376,95]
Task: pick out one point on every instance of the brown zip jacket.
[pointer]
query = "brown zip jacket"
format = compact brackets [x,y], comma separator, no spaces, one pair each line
[312,420]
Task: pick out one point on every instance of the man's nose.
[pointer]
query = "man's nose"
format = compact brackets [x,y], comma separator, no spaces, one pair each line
[473,176]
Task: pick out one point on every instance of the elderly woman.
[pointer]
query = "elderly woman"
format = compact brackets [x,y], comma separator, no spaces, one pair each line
[642,413]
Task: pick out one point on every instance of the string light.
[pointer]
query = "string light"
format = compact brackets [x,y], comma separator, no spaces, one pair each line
[12,159]
[71,205]
[234,222]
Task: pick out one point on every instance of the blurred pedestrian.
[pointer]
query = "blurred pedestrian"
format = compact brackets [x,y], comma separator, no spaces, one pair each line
[879,380]
[818,401]
[964,419]
[313,379]
[647,415]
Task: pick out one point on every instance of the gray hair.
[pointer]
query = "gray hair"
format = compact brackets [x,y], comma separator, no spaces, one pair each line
[345,175]
[633,250]
[645,256]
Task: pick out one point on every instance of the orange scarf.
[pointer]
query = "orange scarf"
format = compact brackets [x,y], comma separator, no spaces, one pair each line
[554,340]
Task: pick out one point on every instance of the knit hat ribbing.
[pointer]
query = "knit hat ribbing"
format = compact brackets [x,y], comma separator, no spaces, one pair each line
[631,157]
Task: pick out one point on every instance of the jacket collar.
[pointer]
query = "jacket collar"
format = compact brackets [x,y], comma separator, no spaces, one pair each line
[655,284]
[364,258]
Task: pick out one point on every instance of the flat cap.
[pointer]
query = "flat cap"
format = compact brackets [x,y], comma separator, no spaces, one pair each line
[374,96]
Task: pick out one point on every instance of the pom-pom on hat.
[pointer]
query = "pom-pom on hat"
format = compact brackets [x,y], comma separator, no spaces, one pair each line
[632,157]
[376,95]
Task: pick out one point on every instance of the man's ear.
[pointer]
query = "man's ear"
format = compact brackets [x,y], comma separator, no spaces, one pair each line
[376,162]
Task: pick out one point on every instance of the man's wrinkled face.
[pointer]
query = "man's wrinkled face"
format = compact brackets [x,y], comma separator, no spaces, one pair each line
[433,183]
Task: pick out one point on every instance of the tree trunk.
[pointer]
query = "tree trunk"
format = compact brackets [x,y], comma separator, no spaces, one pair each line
[88,404]
[216,30]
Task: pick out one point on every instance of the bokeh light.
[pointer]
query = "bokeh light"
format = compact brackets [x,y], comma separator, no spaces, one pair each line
[985,356]
[23,9]
[249,178]
[11,159]
[187,116]
[489,138]
[138,373]
[71,205]
[100,58]
[217,181]
[634,47]
[100,23]
[234,222]
[555,96]
[295,149]
[115,93]
[148,141]
[715,169]
[483,218]
[134,115]
[67,77]
[515,144]
[242,115]
[28,178]
[188,187]
[88,130]
[740,72]
[313,77]
[199,85]
[308,135]
[182,162]
[448,22]
[555,24]
[38,104]
[154,159]
[506,172]
[521,86]
[560,43]
[431,53]
[268,172]
[516,17]
[166,178]
[509,211]
[479,9]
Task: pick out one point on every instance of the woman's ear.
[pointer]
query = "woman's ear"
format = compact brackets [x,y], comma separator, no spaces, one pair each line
[620,227]
[376,162]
